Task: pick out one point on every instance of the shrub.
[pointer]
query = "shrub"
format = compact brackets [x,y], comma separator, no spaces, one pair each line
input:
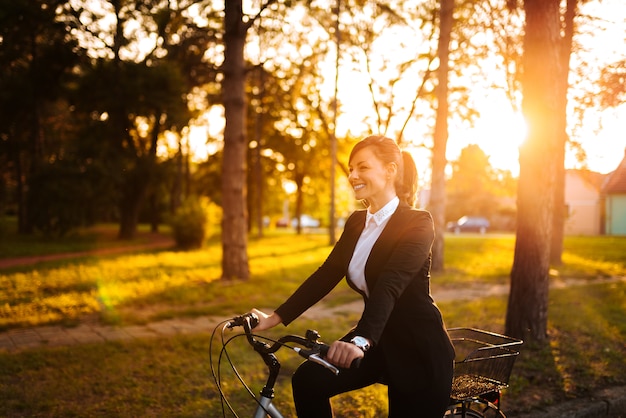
[191,224]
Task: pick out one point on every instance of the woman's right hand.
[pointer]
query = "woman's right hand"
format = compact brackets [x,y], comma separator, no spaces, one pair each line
[266,321]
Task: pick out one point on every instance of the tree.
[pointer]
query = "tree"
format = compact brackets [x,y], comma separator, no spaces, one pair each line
[36,62]
[234,167]
[389,74]
[527,311]
[235,214]
[135,93]
[440,139]
[476,188]
[612,85]
[560,212]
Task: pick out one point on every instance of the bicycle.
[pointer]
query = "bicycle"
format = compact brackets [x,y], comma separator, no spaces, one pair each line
[484,364]
[308,347]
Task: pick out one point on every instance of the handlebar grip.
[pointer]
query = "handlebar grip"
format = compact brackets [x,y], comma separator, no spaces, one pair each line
[324,349]
[356,363]
[240,320]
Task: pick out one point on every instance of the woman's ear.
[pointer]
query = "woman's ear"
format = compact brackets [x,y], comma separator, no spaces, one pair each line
[392,169]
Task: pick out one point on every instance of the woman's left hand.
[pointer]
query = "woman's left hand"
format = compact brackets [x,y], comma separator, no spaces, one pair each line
[342,354]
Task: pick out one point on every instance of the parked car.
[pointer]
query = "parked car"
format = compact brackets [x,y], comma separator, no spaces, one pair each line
[306,221]
[282,223]
[469,224]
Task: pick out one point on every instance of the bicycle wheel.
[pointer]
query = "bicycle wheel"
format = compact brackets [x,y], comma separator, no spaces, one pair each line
[476,408]
[458,412]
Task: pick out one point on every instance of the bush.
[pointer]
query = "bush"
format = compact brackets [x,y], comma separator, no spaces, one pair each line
[191,224]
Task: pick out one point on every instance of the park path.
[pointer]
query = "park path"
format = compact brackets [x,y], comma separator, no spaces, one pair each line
[16,340]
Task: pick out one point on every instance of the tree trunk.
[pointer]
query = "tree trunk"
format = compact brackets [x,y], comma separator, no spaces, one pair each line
[24,226]
[560,210]
[258,167]
[527,312]
[234,211]
[437,203]
[299,180]
[135,189]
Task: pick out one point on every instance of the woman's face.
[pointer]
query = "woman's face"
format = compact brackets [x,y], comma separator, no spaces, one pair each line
[371,178]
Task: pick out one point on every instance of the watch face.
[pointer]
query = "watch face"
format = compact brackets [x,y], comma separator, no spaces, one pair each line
[361,343]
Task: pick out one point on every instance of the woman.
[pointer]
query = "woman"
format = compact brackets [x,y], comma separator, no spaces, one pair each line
[385,254]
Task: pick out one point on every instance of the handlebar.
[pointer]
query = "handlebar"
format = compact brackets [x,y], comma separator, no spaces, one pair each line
[309,347]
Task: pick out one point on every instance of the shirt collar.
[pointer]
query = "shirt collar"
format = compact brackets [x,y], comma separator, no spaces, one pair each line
[384,213]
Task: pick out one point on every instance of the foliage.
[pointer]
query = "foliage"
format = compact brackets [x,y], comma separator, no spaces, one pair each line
[82,95]
[612,92]
[71,201]
[476,188]
[192,222]
[36,62]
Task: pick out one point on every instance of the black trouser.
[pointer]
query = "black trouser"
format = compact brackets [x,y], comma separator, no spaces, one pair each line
[313,386]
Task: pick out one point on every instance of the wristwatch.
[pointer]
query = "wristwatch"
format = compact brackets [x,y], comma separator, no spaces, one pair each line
[361,342]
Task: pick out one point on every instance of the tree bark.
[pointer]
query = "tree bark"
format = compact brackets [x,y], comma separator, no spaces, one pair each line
[437,204]
[527,312]
[234,210]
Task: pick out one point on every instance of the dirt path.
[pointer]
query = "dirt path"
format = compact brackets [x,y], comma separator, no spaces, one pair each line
[465,292]
[157,241]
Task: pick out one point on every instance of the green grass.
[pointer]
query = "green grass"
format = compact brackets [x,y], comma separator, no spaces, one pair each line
[137,288]
[102,236]
[171,376]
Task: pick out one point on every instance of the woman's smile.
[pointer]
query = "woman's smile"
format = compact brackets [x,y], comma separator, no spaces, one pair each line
[372,179]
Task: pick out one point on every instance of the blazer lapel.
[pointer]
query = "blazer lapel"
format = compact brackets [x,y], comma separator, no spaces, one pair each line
[384,243]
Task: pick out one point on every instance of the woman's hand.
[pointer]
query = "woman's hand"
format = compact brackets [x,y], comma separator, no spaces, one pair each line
[266,321]
[342,354]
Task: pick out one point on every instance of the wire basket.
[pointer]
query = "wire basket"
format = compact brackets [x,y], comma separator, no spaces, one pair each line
[483,362]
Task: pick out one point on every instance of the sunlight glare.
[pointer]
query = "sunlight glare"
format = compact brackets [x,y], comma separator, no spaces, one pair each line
[289,186]
[499,132]
[204,132]
[603,141]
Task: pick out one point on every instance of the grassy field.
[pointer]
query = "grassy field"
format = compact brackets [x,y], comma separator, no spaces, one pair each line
[85,239]
[171,376]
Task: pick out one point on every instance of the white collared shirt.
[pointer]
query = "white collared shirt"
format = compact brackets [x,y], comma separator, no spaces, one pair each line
[374,225]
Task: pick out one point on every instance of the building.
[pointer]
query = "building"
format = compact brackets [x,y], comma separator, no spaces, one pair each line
[583,201]
[614,199]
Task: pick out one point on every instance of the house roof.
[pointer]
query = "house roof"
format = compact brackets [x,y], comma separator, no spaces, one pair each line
[593,179]
[616,181]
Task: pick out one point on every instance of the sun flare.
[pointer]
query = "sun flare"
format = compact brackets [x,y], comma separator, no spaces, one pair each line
[499,131]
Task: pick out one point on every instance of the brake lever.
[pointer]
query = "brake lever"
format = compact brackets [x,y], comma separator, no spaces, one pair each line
[315,358]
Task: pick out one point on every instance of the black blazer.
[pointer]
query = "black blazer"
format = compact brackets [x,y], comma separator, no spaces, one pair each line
[400,316]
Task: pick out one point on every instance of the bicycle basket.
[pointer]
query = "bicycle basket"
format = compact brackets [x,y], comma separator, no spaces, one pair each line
[483,363]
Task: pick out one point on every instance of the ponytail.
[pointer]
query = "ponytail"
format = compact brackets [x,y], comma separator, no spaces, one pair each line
[408,189]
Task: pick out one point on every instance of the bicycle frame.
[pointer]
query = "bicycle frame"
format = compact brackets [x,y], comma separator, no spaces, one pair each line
[265,408]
